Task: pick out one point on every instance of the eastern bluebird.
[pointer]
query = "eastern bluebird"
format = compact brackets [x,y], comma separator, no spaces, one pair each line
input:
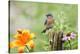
[48,23]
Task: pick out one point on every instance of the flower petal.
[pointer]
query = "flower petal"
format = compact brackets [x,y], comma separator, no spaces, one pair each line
[25,31]
[73,35]
[64,38]
[13,44]
[21,49]
[32,35]
[30,44]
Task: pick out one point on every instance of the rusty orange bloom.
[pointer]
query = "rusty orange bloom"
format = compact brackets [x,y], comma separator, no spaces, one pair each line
[23,38]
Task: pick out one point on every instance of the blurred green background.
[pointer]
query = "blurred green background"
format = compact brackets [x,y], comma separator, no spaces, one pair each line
[31,15]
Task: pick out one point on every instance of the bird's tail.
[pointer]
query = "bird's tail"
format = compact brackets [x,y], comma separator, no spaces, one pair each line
[46,29]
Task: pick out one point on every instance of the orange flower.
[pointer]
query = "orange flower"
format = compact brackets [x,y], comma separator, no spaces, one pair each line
[22,38]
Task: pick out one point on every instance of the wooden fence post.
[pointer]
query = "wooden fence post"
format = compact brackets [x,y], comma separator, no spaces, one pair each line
[56,43]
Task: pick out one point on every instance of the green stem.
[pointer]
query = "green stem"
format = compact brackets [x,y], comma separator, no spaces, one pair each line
[69,44]
[27,48]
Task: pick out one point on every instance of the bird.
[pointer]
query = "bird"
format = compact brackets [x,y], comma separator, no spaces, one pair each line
[48,23]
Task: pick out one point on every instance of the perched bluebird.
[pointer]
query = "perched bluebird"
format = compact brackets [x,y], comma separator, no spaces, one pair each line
[48,22]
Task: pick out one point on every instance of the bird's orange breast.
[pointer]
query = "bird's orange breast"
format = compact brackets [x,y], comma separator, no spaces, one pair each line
[49,21]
